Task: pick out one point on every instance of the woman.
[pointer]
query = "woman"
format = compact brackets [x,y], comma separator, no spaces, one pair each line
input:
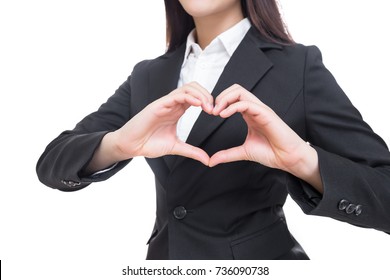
[231,119]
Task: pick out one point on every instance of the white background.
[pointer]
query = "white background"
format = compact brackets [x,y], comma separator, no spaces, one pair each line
[59,60]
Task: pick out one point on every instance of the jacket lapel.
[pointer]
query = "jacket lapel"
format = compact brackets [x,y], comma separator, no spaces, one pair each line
[246,67]
[164,73]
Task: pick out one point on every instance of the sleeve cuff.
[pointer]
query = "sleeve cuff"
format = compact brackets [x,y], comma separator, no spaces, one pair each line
[100,172]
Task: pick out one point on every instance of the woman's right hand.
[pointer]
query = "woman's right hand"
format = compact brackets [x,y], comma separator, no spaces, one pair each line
[152,132]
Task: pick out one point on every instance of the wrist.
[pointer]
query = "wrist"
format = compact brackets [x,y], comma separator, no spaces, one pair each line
[307,167]
[112,146]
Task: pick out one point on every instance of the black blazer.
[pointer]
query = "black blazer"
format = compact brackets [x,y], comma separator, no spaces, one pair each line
[234,210]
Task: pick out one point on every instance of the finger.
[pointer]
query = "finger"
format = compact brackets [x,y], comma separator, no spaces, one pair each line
[262,113]
[186,150]
[221,101]
[240,107]
[204,91]
[182,98]
[232,95]
[229,155]
[263,118]
[227,91]
[200,92]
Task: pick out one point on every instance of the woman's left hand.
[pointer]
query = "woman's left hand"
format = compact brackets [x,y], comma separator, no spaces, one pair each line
[270,141]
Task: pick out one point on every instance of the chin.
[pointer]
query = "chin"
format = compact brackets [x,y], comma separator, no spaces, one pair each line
[206,8]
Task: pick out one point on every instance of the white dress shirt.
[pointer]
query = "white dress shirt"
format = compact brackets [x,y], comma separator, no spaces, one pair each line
[206,66]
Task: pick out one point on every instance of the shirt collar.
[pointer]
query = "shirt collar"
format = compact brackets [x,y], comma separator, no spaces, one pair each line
[230,39]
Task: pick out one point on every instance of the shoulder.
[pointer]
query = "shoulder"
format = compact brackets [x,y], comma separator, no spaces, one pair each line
[304,53]
[143,66]
[296,57]
[141,70]
[292,51]
[296,52]
[146,65]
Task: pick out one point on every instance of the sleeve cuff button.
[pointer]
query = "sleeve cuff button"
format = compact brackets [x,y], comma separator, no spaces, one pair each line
[70,183]
[343,204]
[350,209]
[358,210]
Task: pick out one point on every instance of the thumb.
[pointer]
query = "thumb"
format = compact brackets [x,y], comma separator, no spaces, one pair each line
[183,149]
[229,155]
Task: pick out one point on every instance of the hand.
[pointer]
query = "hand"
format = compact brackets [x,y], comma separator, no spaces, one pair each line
[270,141]
[152,132]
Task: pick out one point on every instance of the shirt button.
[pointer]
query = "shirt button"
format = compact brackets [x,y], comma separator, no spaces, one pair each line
[180,212]
[343,204]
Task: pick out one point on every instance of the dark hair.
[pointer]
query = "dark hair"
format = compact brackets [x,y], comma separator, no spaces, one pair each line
[264,15]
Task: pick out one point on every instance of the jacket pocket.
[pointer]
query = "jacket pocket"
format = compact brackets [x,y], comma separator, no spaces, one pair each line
[265,244]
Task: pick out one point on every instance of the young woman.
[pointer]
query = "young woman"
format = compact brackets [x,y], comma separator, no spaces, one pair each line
[231,119]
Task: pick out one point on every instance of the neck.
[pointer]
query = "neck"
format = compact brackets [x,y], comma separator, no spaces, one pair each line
[208,28]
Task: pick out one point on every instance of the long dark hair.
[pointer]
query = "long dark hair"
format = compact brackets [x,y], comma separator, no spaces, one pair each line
[264,15]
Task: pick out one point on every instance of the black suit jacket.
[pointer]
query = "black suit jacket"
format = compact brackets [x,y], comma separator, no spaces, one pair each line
[234,210]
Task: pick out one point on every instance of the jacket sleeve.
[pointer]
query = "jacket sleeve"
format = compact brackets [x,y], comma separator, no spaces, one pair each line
[61,164]
[354,162]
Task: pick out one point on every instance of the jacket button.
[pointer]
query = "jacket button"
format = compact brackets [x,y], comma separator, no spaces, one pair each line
[70,183]
[180,212]
[358,210]
[350,209]
[343,204]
